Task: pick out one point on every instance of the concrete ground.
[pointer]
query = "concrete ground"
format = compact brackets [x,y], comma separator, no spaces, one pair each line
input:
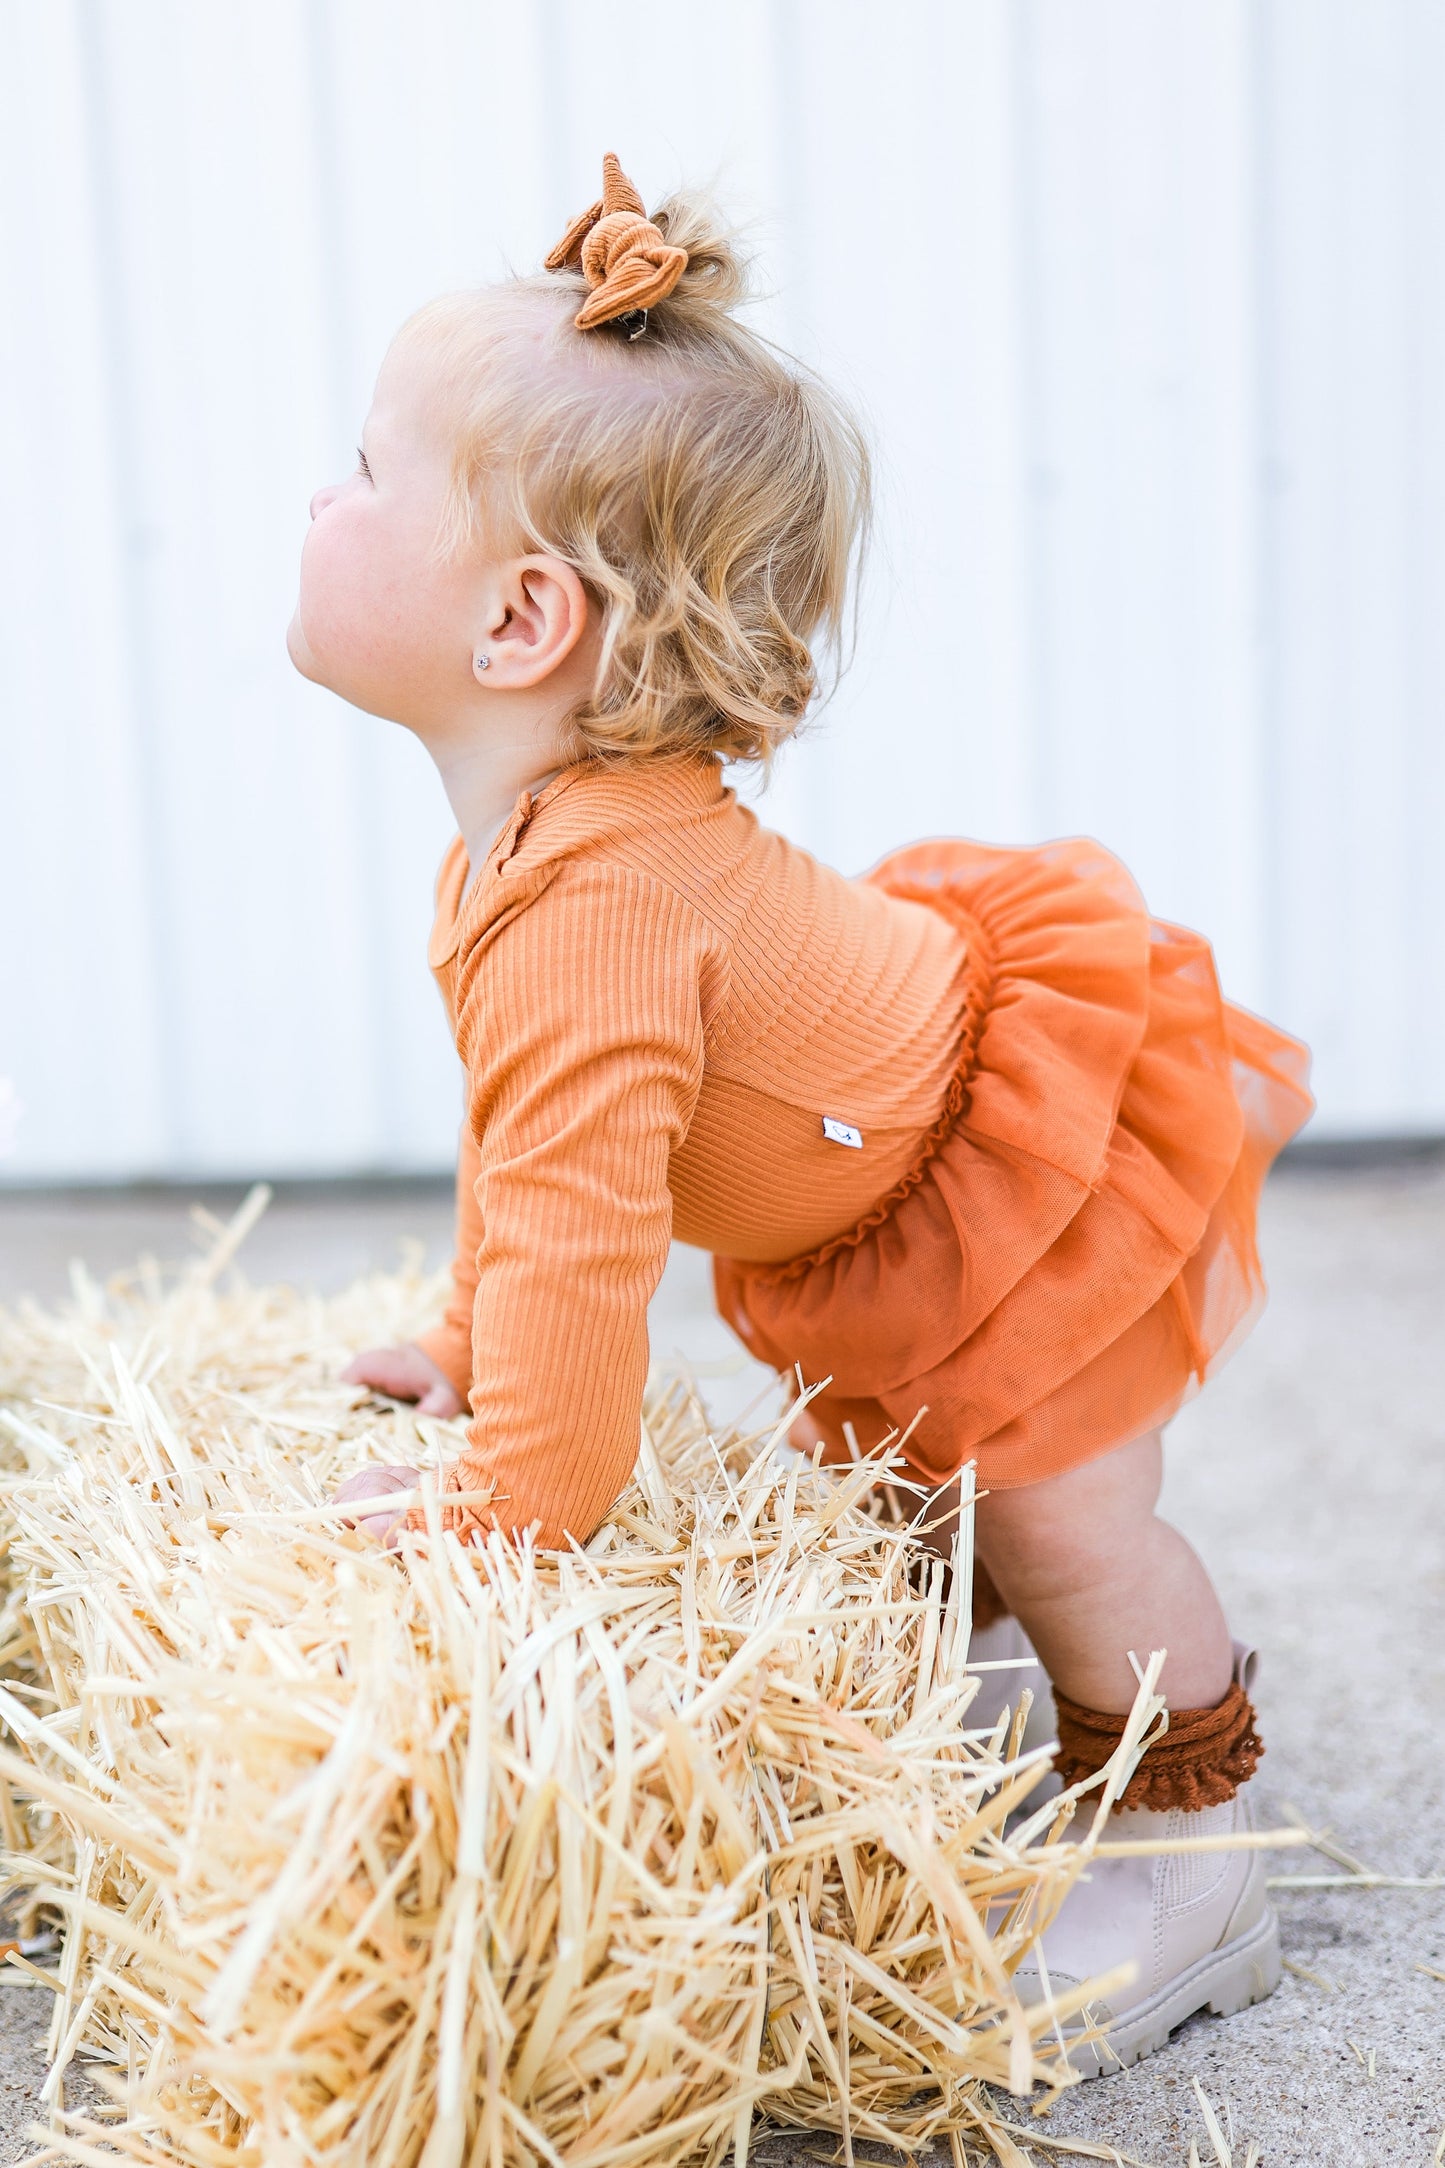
[1312,1477]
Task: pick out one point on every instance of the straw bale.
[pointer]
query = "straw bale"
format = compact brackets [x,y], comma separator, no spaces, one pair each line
[489,1856]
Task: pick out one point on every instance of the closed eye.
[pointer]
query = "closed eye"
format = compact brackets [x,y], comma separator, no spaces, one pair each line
[361,462]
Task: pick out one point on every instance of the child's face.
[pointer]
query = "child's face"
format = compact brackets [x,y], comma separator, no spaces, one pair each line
[383,617]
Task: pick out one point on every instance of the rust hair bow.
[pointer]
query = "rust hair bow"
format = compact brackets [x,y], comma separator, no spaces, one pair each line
[624,258]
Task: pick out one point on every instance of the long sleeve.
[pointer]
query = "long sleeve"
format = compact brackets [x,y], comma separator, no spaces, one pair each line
[580,1022]
[449,1344]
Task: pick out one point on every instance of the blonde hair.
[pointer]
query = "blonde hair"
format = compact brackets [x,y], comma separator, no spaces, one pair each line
[711,492]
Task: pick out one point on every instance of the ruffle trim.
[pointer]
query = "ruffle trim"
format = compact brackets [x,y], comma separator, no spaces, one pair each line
[980,979]
[1200,1761]
[1073,1245]
[1052,1011]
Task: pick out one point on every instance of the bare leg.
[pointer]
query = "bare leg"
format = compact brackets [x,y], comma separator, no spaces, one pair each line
[1091,1572]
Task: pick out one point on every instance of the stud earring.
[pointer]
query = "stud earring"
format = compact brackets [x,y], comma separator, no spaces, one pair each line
[484,662]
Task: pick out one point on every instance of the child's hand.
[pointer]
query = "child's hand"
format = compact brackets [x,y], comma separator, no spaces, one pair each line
[380,1521]
[405,1373]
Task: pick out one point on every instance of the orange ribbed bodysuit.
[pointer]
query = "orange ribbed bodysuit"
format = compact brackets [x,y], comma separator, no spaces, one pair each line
[657,1004]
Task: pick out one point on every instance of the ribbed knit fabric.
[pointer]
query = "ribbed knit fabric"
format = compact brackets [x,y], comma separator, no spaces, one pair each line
[656,1002]
[1044,1229]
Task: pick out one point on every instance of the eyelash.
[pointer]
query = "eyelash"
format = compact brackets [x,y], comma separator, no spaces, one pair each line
[361,462]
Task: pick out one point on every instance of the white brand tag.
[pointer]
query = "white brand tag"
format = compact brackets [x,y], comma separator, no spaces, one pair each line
[842,1133]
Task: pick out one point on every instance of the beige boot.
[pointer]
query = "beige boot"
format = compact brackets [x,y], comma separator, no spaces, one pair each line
[1006,1645]
[1198,1928]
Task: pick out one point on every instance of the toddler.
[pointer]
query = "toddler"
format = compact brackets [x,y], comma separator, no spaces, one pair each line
[973,1134]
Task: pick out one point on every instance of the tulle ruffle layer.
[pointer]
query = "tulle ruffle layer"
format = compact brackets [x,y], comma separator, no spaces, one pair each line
[1075,1247]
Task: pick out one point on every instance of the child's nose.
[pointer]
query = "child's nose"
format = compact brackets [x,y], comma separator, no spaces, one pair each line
[322,498]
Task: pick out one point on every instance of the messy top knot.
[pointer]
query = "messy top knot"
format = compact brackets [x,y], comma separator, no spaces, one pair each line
[710,491]
[632,262]
[627,260]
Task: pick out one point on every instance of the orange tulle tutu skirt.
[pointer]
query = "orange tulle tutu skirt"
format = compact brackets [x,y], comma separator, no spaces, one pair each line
[1074,1249]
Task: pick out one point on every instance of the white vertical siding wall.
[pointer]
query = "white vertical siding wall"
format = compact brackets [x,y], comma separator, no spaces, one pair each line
[1145,305]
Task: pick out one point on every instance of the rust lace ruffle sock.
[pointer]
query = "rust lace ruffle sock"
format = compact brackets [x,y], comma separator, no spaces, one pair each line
[1202,1759]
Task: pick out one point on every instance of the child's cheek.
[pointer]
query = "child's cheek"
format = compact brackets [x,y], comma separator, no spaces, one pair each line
[371,614]
[333,600]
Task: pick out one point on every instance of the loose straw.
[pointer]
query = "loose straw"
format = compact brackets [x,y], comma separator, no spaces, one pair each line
[440,1856]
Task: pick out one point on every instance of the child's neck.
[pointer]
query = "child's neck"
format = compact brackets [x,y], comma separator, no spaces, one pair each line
[485,772]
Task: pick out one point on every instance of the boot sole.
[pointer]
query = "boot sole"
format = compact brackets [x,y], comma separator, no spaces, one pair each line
[1226,1981]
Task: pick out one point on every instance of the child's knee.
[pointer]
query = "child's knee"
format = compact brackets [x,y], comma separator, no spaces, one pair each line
[1046,1557]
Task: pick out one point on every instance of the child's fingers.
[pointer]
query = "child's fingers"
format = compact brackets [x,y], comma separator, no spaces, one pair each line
[405,1373]
[385,1366]
[398,1372]
[378,1376]
[441,1401]
[381,1527]
[379,1483]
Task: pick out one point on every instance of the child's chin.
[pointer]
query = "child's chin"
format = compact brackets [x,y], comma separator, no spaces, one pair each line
[356,691]
[298,650]
[311,665]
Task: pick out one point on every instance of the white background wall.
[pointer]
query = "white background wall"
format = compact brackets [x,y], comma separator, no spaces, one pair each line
[1145,304]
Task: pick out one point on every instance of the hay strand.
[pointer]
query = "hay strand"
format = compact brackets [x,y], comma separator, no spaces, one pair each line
[446,1857]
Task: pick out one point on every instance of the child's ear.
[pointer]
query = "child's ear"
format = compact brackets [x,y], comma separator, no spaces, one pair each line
[537,613]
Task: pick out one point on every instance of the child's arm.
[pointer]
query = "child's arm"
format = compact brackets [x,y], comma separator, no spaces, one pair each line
[435,1369]
[581,1026]
[449,1344]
